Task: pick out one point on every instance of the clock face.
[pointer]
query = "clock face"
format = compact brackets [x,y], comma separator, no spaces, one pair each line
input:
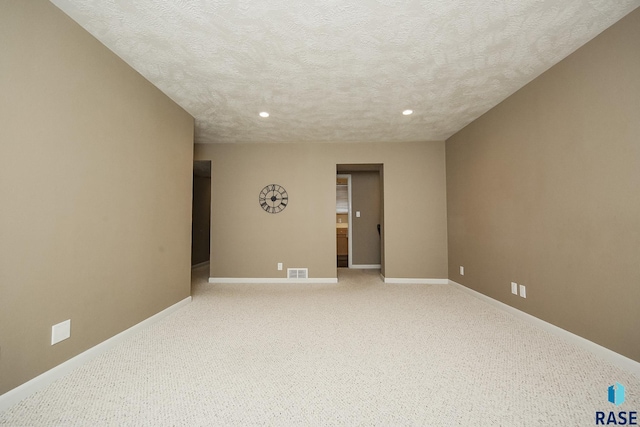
[273,198]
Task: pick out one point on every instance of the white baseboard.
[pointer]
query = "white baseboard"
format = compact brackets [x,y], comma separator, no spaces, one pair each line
[415,281]
[366,266]
[611,356]
[23,391]
[263,280]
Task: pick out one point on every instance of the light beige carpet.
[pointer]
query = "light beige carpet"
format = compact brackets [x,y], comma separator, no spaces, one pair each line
[354,353]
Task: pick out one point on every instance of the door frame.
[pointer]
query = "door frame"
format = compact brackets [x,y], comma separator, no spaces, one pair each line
[350,228]
[343,170]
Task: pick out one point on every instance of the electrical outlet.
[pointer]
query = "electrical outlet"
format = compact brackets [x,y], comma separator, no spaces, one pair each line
[279,266]
[461,270]
[523,291]
[514,288]
[60,332]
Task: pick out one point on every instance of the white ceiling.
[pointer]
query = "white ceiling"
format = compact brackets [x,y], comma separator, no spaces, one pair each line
[340,71]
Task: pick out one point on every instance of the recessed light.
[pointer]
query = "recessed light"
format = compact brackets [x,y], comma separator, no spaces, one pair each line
[407,112]
[264,114]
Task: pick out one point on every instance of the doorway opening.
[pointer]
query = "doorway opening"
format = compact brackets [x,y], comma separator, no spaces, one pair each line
[201,213]
[360,216]
[343,210]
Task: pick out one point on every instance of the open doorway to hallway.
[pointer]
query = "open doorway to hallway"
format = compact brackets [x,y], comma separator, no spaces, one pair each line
[360,216]
[201,213]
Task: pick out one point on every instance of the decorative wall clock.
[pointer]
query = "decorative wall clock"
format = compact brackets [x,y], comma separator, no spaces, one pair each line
[273,198]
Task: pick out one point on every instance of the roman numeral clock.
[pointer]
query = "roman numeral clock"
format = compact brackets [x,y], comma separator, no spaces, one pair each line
[273,198]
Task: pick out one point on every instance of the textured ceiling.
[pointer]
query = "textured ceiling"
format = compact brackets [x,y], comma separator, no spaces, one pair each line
[336,71]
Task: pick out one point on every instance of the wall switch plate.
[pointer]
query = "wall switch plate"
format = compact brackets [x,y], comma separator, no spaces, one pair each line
[357,214]
[514,288]
[60,332]
[279,266]
[523,291]
[461,270]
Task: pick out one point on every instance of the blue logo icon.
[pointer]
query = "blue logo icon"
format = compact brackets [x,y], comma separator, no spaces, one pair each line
[616,394]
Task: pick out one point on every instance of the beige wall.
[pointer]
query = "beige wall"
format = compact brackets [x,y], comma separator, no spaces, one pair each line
[544,190]
[382,221]
[248,242]
[95,184]
[365,190]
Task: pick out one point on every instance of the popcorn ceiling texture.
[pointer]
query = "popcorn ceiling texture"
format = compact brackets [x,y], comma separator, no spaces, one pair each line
[336,71]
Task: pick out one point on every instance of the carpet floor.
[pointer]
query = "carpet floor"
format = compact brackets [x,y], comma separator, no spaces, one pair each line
[359,352]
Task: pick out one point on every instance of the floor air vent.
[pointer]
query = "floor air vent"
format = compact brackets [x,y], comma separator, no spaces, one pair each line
[297,273]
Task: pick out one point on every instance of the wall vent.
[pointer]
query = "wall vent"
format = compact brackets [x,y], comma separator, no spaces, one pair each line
[297,273]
